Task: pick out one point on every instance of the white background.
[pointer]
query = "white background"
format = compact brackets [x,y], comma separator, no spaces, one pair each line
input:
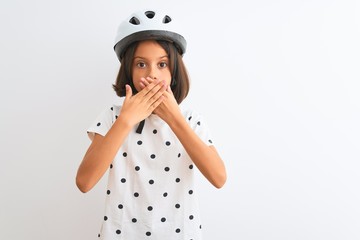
[278,82]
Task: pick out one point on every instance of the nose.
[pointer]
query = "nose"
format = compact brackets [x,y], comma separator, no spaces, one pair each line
[153,72]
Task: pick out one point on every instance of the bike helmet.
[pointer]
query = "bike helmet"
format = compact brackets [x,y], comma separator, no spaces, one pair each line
[145,25]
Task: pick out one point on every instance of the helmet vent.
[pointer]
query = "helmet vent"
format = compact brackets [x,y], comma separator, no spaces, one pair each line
[134,21]
[150,14]
[166,19]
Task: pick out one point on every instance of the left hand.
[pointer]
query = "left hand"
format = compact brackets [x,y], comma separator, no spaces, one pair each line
[169,109]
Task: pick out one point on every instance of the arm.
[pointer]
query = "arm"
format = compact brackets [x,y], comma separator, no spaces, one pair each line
[103,149]
[100,154]
[206,158]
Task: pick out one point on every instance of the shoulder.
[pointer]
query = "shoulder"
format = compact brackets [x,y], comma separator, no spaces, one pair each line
[104,120]
[115,108]
[191,114]
[110,113]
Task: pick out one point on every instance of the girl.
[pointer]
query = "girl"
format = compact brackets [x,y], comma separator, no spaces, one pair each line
[149,144]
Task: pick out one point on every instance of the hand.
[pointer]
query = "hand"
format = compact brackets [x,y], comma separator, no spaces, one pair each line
[140,106]
[168,109]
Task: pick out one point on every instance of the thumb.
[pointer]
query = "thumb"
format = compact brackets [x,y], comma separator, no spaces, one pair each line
[128,92]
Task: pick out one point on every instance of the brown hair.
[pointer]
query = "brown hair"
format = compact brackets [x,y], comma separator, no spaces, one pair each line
[180,82]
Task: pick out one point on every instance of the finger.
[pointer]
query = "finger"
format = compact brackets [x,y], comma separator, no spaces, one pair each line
[144,81]
[147,89]
[156,88]
[156,103]
[158,94]
[128,92]
[149,79]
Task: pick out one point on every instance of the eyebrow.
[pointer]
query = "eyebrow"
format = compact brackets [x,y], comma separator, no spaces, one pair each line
[165,56]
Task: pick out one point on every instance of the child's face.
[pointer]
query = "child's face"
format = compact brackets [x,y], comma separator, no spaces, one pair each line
[150,60]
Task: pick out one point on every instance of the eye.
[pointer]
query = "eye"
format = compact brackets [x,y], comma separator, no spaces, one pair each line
[163,64]
[141,64]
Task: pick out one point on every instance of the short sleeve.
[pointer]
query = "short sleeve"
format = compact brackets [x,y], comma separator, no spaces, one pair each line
[198,124]
[102,123]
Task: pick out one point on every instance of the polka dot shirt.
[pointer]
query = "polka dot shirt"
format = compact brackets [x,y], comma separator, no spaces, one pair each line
[151,192]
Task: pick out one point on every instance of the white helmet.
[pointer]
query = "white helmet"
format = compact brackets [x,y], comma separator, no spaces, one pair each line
[145,25]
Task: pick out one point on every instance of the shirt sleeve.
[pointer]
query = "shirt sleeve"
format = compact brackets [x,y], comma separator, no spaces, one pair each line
[102,123]
[198,124]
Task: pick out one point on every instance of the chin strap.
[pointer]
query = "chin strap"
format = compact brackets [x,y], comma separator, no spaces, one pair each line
[140,127]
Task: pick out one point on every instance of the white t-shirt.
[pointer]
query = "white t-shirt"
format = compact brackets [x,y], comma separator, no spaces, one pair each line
[151,193]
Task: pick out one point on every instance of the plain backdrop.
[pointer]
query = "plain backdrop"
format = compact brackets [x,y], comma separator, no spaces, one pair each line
[277,81]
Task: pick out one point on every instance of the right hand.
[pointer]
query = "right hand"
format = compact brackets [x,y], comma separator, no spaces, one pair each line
[140,106]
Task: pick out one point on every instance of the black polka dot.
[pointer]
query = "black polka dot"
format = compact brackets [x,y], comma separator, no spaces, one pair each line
[99,235]
[154,131]
[137,168]
[179,155]
[124,154]
[167,143]
[163,219]
[151,181]
[200,226]
[190,118]
[116,117]
[150,208]
[139,142]
[177,205]
[111,166]
[134,220]
[112,108]
[105,218]
[165,194]
[177,180]
[191,192]
[152,156]
[177,230]
[98,124]
[167,169]
[198,123]
[191,166]
[210,141]
[108,192]
[123,180]
[148,233]
[191,217]
[118,231]
[136,194]
[120,206]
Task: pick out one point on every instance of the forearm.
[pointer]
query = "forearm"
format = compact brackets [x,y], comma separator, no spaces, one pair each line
[204,157]
[99,157]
